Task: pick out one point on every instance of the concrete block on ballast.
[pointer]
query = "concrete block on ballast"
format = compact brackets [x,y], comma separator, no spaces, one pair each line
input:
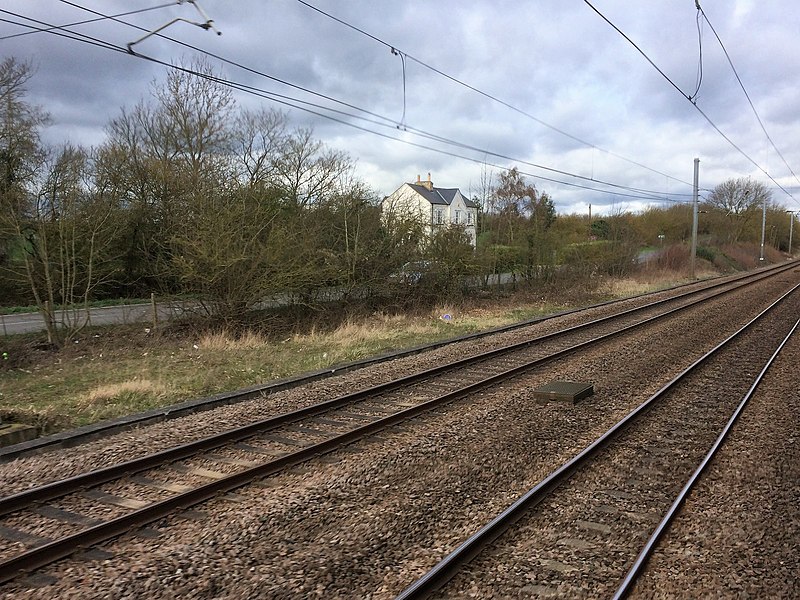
[569,391]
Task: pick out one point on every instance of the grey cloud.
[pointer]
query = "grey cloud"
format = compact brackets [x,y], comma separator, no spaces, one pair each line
[555,60]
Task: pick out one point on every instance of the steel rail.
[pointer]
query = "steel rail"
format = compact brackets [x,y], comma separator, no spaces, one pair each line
[56,489]
[63,547]
[447,568]
[639,564]
[193,406]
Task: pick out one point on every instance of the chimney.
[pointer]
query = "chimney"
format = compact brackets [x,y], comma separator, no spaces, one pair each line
[428,184]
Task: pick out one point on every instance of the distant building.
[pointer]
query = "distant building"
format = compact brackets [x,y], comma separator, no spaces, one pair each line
[436,207]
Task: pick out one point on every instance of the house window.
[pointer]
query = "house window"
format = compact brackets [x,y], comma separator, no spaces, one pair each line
[457,218]
[439,216]
[469,217]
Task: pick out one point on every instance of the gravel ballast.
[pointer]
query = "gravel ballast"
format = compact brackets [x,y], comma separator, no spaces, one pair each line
[738,534]
[366,522]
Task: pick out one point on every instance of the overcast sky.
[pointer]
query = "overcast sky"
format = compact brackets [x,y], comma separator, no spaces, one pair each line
[582,100]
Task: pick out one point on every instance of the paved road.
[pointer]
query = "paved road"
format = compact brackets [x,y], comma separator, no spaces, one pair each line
[143,313]
[107,315]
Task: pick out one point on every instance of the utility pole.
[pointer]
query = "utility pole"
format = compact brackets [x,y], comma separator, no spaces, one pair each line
[694,215]
[763,229]
[791,229]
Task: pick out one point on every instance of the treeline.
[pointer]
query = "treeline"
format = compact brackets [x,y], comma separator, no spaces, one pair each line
[188,195]
[191,195]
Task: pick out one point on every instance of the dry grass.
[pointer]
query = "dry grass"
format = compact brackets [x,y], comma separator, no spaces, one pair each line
[652,280]
[675,258]
[224,340]
[117,371]
[369,330]
[620,288]
[111,392]
[747,255]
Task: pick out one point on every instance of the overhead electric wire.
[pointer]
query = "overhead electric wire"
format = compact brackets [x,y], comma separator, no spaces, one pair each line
[232,62]
[654,194]
[488,95]
[692,102]
[283,101]
[288,101]
[700,53]
[52,29]
[741,84]
[87,21]
[642,52]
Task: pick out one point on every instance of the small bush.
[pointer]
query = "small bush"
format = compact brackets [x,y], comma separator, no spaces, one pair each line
[743,256]
[600,257]
[706,253]
[674,258]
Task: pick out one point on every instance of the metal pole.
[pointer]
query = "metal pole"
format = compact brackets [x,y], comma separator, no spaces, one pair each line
[791,227]
[763,228]
[694,216]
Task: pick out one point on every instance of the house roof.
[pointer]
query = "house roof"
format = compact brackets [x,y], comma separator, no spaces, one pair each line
[440,195]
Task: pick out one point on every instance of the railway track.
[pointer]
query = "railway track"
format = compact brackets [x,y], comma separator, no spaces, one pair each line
[141,491]
[587,529]
[102,429]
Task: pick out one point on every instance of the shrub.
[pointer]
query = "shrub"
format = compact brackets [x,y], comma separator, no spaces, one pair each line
[706,253]
[674,257]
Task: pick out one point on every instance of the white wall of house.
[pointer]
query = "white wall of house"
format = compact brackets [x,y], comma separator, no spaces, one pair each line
[405,202]
[460,214]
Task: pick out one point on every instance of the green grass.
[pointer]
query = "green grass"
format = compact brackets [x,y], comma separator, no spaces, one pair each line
[117,371]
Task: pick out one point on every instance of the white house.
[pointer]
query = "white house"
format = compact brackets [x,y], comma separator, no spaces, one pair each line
[436,207]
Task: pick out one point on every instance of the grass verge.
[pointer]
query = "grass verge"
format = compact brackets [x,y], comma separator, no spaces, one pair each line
[114,371]
[119,370]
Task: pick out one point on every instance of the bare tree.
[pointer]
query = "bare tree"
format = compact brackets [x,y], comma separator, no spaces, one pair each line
[259,140]
[65,238]
[738,201]
[21,153]
[165,160]
[524,214]
[307,172]
[194,116]
[484,195]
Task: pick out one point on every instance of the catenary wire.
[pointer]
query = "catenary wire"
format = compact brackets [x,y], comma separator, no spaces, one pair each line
[741,84]
[281,100]
[298,104]
[234,63]
[49,28]
[488,95]
[692,102]
[52,29]
[655,194]
[87,21]
[700,53]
